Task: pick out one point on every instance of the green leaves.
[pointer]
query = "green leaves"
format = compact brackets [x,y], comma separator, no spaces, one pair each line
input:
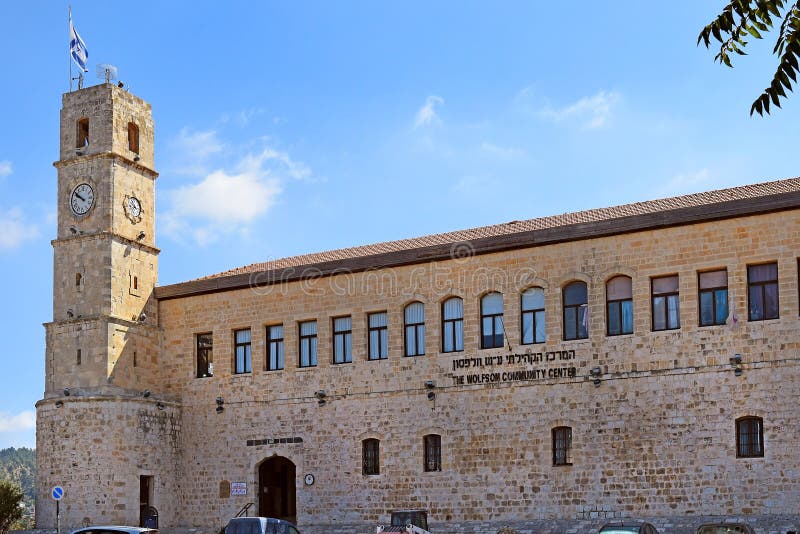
[741,18]
[10,511]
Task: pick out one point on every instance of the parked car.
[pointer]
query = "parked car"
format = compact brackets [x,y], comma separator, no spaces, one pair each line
[114,529]
[725,528]
[626,527]
[260,525]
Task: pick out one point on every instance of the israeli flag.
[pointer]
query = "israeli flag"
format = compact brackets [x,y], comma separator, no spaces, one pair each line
[77,47]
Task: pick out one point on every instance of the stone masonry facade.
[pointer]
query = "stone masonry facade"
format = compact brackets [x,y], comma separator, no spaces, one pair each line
[652,414]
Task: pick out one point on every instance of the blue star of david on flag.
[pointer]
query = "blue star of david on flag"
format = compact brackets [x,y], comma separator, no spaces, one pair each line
[77,47]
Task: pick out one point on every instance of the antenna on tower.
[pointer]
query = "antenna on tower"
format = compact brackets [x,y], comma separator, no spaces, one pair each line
[106,72]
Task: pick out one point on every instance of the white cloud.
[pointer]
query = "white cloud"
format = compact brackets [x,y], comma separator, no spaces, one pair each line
[14,423]
[501,152]
[228,201]
[426,116]
[684,183]
[592,111]
[14,229]
[194,149]
[5,168]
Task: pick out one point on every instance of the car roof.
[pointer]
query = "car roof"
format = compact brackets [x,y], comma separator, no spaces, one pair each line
[118,528]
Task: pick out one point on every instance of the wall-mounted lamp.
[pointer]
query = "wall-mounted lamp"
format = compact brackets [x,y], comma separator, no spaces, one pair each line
[320,394]
[322,402]
[596,371]
[142,317]
[141,235]
[78,152]
[596,382]
[66,392]
[146,393]
[737,371]
[136,157]
[430,384]
[220,405]
[70,313]
[736,359]
[160,405]
[59,404]
[73,230]
[431,396]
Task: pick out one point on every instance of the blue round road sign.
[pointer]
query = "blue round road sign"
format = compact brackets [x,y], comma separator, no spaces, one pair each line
[57,493]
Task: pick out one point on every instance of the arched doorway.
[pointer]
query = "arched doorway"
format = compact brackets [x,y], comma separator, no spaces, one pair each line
[276,489]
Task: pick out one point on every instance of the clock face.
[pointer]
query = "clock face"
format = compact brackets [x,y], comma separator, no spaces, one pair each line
[134,206]
[82,199]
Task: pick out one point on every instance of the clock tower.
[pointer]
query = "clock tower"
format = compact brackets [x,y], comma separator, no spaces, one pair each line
[102,424]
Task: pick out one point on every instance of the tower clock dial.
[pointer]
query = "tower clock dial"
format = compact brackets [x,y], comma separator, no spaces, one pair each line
[82,199]
[134,206]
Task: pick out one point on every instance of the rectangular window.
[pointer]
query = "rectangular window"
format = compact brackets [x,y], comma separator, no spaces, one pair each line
[433,452]
[378,336]
[665,303]
[342,340]
[492,332]
[532,307]
[713,291]
[205,355]
[275,347]
[308,344]
[371,464]
[562,445]
[453,325]
[749,437]
[619,306]
[414,316]
[762,291]
[575,298]
[243,361]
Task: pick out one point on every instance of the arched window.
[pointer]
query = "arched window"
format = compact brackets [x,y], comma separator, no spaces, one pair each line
[576,311]
[619,306]
[532,307]
[453,325]
[492,321]
[562,445]
[749,437]
[370,457]
[82,133]
[133,137]
[414,316]
[432,444]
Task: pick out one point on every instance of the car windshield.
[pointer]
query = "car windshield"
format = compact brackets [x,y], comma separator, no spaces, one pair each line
[619,530]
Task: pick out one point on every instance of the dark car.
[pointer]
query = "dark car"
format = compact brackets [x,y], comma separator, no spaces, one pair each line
[114,529]
[260,525]
[626,527]
[725,528]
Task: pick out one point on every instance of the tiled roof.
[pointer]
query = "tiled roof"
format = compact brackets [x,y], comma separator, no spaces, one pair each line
[514,227]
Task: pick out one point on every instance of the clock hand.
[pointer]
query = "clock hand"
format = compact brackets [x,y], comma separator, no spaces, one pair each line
[79,196]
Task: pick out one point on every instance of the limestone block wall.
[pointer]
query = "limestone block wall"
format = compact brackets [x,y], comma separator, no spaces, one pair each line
[655,438]
[96,448]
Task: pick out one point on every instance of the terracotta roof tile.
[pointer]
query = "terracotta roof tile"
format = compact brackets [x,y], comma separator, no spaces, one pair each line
[553,221]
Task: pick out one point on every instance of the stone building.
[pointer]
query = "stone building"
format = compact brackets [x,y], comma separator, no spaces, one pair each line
[632,361]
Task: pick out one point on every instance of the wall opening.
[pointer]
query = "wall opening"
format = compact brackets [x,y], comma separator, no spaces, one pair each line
[82,137]
[276,489]
[133,137]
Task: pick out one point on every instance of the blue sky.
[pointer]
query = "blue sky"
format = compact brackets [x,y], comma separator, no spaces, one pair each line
[291,127]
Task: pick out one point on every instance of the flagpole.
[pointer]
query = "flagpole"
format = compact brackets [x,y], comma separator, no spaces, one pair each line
[69,55]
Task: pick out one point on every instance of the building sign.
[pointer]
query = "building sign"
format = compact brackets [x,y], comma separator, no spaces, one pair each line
[513,367]
[238,488]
